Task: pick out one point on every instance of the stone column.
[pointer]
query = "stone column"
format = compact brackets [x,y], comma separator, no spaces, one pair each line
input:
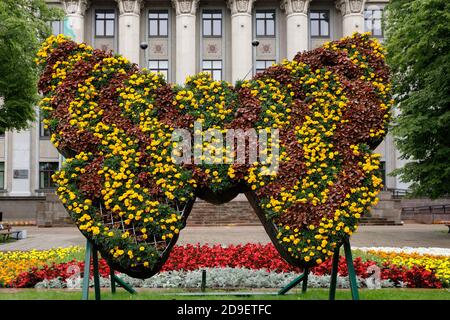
[241,40]
[185,60]
[352,15]
[129,36]
[297,30]
[74,20]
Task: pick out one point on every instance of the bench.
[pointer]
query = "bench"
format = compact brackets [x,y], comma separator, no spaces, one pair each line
[6,232]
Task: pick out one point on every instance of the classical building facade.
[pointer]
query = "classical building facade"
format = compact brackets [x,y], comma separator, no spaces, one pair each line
[185,37]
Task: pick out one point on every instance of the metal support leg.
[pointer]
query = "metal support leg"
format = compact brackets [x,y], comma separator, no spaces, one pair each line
[123,284]
[87,271]
[296,281]
[91,251]
[334,272]
[203,284]
[351,270]
[96,272]
[113,280]
[305,280]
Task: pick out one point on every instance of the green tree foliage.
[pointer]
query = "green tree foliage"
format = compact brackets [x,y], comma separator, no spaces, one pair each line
[23,26]
[418,44]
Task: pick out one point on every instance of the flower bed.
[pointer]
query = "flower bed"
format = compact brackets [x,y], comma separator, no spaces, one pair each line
[219,278]
[421,250]
[15,262]
[440,265]
[396,269]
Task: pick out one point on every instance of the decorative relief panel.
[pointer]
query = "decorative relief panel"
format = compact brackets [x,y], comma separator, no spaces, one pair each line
[212,49]
[47,151]
[318,42]
[266,49]
[158,48]
[104,43]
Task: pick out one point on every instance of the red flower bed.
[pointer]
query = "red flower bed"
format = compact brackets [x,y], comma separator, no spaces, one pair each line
[416,277]
[250,256]
[63,270]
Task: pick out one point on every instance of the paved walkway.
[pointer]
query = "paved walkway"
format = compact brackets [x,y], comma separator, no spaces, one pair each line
[409,235]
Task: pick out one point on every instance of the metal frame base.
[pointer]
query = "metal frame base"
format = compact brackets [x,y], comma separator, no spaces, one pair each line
[91,251]
[334,271]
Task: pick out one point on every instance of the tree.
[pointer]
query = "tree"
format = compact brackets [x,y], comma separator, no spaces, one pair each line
[23,26]
[418,44]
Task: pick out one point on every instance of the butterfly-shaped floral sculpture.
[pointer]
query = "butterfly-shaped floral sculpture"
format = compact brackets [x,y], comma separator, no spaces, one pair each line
[114,124]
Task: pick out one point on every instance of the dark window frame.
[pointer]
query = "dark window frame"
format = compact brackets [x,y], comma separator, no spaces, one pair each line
[267,64]
[265,19]
[104,11]
[372,21]
[212,68]
[211,21]
[159,20]
[311,19]
[159,69]
[48,172]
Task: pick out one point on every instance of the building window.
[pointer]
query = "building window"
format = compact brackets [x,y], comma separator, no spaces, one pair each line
[46,170]
[212,23]
[158,23]
[104,23]
[213,67]
[262,65]
[57,27]
[320,23]
[265,23]
[43,132]
[373,21]
[159,66]
[2,175]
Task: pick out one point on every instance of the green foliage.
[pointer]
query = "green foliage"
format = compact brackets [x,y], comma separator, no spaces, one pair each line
[23,26]
[418,43]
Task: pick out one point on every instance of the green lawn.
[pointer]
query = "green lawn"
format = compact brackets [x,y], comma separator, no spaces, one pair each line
[169,294]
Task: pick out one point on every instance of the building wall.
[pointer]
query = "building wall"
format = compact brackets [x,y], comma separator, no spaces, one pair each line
[27,149]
